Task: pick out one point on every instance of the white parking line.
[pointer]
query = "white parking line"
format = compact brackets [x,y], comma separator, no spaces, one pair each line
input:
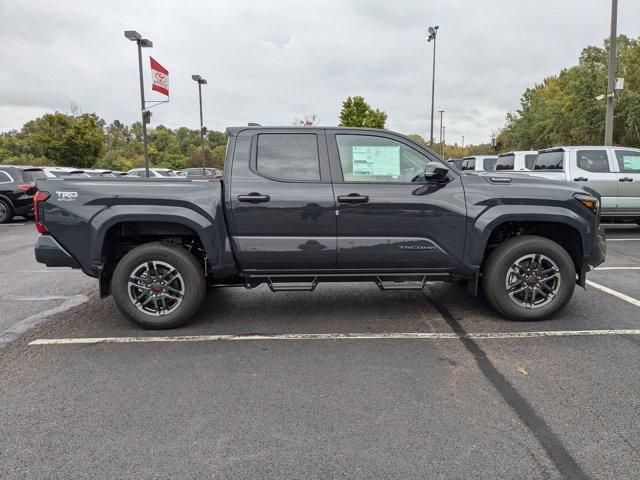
[615,293]
[617,268]
[623,239]
[334,336]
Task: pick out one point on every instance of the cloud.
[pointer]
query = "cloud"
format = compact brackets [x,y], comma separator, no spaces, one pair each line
[271,62]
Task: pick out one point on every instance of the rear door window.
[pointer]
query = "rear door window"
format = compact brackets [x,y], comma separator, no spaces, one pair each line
[530,161]
[593,160]
[288,156]
[628,160]
[4,177]
[505,162]
[490,164]
[549,161]
[469,164]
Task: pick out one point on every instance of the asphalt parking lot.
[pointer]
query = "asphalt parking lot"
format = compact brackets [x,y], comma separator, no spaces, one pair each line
[345,382]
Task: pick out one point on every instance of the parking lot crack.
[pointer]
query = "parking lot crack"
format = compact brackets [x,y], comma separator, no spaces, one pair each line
[548,440]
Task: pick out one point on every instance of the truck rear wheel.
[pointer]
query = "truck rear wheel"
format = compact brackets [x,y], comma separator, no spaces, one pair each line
[528,278]
[158,286]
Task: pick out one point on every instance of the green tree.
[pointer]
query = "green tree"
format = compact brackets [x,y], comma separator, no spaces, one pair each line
[356,112]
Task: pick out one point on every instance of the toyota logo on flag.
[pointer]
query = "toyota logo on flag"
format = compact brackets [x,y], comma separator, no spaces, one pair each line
[160,77]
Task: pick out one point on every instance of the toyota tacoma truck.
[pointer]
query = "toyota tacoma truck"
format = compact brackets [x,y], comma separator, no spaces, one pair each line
[300,206]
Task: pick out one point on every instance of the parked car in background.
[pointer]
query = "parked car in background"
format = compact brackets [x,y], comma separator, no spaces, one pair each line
[210,172]
[613,172]
[479,163]
[516,161]
[62,172]
[98,172]
[17,188]
[153,172]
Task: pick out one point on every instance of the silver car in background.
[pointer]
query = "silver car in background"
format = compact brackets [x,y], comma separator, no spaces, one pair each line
[613,172]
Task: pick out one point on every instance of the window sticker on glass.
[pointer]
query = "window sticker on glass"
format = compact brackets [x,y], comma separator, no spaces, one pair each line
[376,160]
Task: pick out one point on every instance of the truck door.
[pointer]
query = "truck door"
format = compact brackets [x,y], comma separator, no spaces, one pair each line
[628,162]
[389,217]
[282,201]
[595,169]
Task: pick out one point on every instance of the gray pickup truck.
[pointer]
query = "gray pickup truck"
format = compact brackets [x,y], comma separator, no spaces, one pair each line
[299,206]
[613,172]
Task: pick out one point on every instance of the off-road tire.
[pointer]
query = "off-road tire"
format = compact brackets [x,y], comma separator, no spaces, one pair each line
[181,260]
[503,257]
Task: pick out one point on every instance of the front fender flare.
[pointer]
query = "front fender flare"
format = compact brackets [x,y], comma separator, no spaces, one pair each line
[491,218]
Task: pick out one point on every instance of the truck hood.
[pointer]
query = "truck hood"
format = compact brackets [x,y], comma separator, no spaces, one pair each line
[527,184]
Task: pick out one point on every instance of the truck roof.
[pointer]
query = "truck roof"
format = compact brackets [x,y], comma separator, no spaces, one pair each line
[233,131]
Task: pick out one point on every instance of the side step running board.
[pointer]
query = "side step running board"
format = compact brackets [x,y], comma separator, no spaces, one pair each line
[292,286]
[395,283]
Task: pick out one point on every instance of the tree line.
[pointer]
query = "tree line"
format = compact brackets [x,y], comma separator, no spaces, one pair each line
[563,109]
[87,141]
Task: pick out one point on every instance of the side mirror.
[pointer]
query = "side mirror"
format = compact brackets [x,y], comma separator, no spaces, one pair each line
[434,171]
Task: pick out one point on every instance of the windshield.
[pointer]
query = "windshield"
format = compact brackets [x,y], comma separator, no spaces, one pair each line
[550,161]
[167,173]
[505,162]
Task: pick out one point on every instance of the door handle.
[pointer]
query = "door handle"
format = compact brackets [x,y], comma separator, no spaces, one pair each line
[254,197]
[626,179]
[581,179]
[353,198]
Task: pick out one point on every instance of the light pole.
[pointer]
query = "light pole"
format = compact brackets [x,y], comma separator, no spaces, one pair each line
[201,81]
[440,112]
[433,31]
[443,140]
[611,84]
[462,146]
[146,114]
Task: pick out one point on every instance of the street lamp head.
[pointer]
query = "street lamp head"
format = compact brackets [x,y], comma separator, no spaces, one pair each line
[146,43]
[199,79]
[432,30]
[132,35]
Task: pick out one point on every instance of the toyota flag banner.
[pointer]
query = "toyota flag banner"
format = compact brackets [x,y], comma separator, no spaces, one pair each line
[160,77]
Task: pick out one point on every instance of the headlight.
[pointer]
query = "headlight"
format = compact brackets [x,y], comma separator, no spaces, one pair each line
[592,203]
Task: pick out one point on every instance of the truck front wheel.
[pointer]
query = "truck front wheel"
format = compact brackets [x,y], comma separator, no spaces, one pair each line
[158,286]
[528,278]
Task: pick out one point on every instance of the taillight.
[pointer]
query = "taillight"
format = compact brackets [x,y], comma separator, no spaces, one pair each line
[37,200]
[28,189]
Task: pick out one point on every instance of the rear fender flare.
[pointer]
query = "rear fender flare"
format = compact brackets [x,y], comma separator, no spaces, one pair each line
[204,227]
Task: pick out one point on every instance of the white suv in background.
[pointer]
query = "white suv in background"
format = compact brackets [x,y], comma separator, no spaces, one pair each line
[520,161]
[479,163]
[613,172]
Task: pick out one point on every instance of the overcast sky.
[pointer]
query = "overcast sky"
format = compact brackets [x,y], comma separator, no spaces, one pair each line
[272,61]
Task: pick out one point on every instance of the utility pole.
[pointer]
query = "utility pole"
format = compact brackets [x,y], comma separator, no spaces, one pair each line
[201,81]
[433,32]
[462,147]
[440,112]
[443,140]
[146,114]
[611,84]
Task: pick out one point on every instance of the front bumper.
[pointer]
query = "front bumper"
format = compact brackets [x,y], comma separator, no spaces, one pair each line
[52,254]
